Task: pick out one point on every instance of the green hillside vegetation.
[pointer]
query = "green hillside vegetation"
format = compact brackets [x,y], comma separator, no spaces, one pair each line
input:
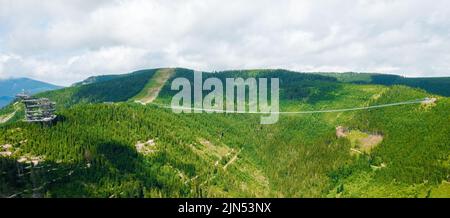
[124,149]
[413,154]
[436,85]
[101,78]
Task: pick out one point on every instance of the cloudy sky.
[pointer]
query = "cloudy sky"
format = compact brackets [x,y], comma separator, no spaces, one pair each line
[66,41]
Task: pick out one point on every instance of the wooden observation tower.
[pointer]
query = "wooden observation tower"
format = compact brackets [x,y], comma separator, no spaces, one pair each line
[37,109]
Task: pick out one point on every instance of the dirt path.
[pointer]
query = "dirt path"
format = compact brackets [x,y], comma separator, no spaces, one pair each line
[6,118]
[357,151]
[232,160]
[156,83]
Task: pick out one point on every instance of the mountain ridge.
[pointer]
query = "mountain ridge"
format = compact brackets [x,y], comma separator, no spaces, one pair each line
[436,85]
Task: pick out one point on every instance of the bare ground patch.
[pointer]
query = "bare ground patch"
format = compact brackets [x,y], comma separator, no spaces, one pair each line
[156,83]
[31,159]
[147,147]
[361,142]
[370,142]
[6,118]
[6,150]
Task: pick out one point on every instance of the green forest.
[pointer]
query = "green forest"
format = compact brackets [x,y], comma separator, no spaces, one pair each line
[104,144]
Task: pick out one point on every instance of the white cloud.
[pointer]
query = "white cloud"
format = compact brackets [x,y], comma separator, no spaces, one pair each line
[63,42]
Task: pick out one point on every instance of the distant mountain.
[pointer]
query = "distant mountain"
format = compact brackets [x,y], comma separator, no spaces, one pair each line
[10,87]
[4,100]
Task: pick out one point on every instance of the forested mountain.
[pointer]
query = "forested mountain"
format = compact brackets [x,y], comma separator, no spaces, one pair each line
[10,87]
[436,85]
[104,144]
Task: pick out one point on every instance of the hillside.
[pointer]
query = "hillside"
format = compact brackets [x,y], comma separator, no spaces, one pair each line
[106,145]
[10,87]
[435,85]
